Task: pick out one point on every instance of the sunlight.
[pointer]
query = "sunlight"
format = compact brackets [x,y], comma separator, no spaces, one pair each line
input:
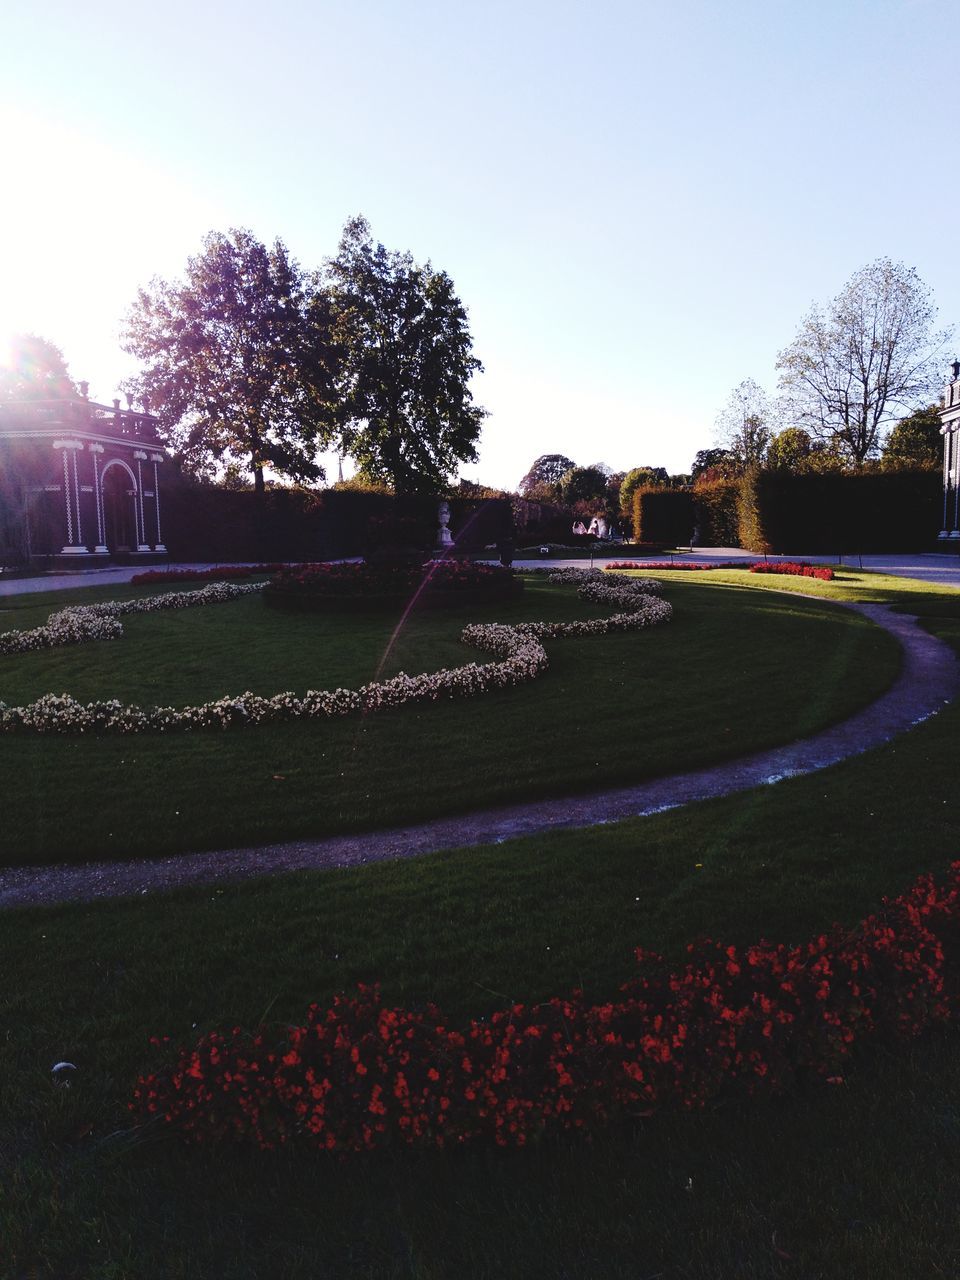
[83,226]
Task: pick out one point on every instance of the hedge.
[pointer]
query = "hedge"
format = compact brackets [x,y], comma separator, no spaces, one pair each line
[663,515]
[840,512]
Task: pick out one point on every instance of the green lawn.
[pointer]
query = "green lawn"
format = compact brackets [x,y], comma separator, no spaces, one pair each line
[736,670]
[856,1181]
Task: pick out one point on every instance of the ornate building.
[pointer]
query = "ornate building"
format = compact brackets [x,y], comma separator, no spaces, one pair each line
[79,483]
[950,430]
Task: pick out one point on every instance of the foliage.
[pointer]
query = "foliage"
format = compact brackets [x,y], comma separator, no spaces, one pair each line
[870,352]
[386,578]
[745,424]
[637,477]
[791,569]
[714,464]
[584,484]
[790,450]
[839,512]
[360,1075]
[915,441]
[32,368]
[232,367]
[715,513]
[216,573]
[542,481]
[665,516]
[404,408]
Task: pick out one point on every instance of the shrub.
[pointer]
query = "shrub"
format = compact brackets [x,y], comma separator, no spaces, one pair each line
[715,513]
[665,516]
[840,511]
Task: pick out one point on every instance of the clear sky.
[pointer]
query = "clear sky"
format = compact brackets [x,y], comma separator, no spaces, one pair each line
[637,202]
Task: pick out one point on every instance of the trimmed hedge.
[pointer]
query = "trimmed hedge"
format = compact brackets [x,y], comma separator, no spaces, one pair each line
[203,522]
[840,512]
[716,514]
[663,515]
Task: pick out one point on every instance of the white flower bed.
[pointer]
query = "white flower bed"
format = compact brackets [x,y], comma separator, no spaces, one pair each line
[519,653]
[82,622]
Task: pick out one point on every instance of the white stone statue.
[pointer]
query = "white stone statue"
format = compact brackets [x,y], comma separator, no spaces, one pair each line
[444,536]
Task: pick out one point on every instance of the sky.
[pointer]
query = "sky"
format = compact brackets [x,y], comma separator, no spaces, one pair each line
[637,202]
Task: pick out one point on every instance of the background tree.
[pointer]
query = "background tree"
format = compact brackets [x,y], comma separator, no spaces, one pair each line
[405,411]
[32,368]
[636,478]
[584,484]
[915,442]
[790,450]
[714,464]
[744,425]
[542,481]
[871,352]
[236,365]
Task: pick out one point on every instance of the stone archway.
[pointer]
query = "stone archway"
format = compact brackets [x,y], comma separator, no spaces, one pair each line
[118,487]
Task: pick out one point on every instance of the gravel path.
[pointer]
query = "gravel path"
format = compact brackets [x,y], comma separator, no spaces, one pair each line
[930,678]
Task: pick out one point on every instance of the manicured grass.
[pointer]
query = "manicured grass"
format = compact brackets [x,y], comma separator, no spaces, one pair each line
[737,670]
[860,1180]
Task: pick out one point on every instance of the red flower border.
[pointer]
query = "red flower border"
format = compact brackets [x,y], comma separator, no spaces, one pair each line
[360,1075]
[791,568]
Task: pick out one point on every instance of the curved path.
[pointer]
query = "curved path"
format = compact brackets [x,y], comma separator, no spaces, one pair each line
[929,679]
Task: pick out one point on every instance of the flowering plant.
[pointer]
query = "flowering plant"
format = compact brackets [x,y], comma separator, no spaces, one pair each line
[360,1075]
[386,578]
[517,649]
[789,567]
[216,573]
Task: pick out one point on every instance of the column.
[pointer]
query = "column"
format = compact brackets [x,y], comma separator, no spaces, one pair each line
[95,451]
[156,458]
[74,545]
[141,458]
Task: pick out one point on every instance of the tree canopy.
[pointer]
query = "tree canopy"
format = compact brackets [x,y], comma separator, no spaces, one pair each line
[404,354]
[543,478]
[870,353]
[637,478]
[915,441]
[714,464]
[236,366]
[32,368]
[583,484]
[744,425]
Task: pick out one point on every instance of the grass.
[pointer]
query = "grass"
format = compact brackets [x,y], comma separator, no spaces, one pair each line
[858,1181]
[735,671]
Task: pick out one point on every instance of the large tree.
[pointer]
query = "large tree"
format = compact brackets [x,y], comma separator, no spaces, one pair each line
[236,362]
[583,484]
[543,478]
[870,353]
[915,441]
[744,425]
[405,410]
[32,368]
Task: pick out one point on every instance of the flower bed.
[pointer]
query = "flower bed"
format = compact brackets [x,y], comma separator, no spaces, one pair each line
[371,586]
[217,573]
[796,569]
[519,653]
[80,623]
[358,1075]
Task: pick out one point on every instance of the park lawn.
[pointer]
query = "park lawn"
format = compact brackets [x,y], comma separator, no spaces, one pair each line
[856,1180]
[736,670]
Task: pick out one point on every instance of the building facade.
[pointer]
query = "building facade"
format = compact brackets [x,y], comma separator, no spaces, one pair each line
[79,483]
